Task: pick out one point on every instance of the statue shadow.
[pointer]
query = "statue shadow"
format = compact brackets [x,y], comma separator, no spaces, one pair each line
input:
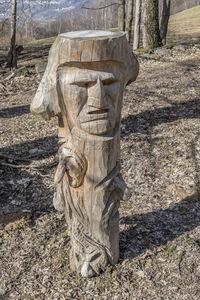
[14,111]
[154,229]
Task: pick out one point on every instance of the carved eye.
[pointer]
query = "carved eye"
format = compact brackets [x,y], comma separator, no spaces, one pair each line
[109,81]
[82,84]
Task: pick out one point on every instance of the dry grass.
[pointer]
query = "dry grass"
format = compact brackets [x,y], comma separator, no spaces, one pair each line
[42,42]
[5,40]
[160,158]
[185,25]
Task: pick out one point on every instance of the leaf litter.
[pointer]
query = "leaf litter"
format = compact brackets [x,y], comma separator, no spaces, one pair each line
[159,223]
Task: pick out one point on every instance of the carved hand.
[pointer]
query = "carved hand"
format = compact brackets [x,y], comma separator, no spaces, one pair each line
[71,163]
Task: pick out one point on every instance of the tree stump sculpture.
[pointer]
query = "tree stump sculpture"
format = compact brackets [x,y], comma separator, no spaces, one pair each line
[83,85]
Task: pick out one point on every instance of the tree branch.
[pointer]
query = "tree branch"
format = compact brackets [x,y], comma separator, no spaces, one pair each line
[97,8]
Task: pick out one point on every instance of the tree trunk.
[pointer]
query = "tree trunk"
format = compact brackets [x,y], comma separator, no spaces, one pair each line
[121,15]
[151,33]
[136,38]
[129,20]
[164,20]
[12,56]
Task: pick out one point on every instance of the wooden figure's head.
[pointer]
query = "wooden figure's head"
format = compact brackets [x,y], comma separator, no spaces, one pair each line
[85,78]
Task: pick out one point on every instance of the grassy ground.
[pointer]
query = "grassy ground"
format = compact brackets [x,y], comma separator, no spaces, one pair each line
[160,158]
[185,25]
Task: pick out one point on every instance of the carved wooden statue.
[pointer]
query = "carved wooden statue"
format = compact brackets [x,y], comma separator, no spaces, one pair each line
[83,85]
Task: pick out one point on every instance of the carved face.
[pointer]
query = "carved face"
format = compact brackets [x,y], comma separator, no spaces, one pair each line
[91,95]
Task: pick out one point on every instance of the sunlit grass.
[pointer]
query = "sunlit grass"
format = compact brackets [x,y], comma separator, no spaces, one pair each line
[184,25]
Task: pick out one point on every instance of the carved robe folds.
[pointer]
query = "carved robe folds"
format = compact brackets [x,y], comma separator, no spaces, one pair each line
[83,85]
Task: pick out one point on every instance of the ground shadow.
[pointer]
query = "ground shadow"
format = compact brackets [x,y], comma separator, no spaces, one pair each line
[21,189]
[14,111]
[22,192]
[27,151]
[147,231]
[151,230]
[150,118]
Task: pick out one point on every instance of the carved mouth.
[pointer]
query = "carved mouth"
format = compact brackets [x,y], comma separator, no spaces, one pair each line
[98,111]
[97,115]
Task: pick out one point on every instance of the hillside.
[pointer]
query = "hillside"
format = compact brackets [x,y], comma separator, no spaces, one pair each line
[185,25]
[180,5]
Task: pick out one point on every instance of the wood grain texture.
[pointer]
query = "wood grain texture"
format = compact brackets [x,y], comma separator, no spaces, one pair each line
[83,85]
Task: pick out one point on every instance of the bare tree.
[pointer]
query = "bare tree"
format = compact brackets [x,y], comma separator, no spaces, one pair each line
[151,33]
[97,17]
[12,55]
[4,28]
[136,37]
[164,20]
[129,20]
[121,15]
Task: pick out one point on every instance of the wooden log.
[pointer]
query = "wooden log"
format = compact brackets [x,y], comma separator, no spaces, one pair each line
[83,85]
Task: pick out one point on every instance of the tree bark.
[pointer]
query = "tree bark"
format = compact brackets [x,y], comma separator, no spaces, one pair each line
[151,33]
[164,20]
[136,38]
[12,56]
[121,15]
[129,20]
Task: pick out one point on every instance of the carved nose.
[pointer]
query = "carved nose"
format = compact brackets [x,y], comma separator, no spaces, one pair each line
[97,96]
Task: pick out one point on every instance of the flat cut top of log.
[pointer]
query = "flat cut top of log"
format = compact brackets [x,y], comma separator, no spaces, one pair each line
[92,34]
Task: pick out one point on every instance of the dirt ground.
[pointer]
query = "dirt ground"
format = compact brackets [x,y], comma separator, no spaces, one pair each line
[160,156]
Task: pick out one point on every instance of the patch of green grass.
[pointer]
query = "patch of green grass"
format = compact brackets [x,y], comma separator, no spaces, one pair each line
[140,50]
[41,42]
[31,121]
[167,170]
[152,286]
[61,259]
[79,278]
[164,139]
[27,297]
[167,250]
[63,235]
[68,287]
[170,44]
[196,40]
[109,279]
[184,167]
[126,207]
[163,142]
